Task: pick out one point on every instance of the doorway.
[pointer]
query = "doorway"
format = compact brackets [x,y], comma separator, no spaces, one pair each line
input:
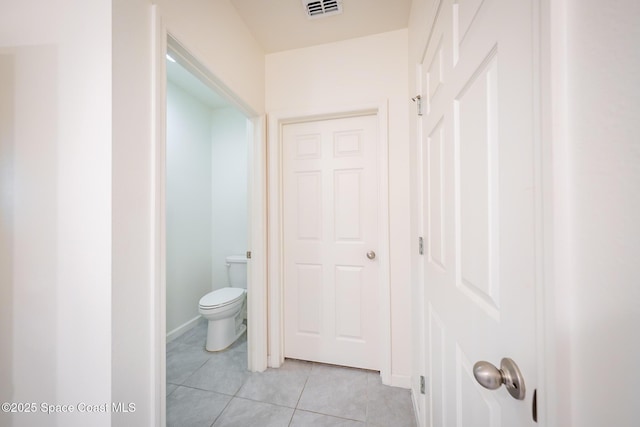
[206,193]
[277,193]
[254,209]
[330,218]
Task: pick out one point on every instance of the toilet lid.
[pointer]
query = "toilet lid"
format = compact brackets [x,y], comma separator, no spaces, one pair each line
[221,297]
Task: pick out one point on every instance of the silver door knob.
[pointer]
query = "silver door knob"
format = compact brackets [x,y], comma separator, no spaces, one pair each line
[492,378]
[371,255]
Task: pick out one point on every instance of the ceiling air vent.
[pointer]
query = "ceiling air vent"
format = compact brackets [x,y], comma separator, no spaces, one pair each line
[320,8]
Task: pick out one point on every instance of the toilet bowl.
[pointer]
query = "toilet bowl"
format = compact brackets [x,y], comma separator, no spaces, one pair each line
[224,308]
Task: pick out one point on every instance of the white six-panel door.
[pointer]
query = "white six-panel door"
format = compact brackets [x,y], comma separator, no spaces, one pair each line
[478,182]
[330,223]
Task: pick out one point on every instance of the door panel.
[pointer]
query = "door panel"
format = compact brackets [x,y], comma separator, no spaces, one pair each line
[330,219]
[478,208]
[437,374]
[308,296]
[476,160]
[435,202]
[347,205]
[309,200]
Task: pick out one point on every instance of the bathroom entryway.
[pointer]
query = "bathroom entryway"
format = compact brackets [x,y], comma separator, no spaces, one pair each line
[216,389]
[206,200]
[208,214]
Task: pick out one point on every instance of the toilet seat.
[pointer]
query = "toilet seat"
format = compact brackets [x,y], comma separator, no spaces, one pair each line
[221,298]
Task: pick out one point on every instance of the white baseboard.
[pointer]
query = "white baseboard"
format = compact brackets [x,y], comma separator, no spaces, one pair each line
[172,335]
[402,381]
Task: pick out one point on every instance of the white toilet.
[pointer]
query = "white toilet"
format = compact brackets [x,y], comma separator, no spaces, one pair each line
[223,308]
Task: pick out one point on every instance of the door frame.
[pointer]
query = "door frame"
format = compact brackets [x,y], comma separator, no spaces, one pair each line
[419,400]
[275,229]
[164,40]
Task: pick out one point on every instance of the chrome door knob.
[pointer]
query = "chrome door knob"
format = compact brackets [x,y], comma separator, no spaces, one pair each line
[492,378]
[371,255]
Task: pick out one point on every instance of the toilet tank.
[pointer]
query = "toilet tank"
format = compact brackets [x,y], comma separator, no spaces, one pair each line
[237,271]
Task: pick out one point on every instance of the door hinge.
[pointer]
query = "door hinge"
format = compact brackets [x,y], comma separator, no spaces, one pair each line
[534,406]
[420,245]
[423,385]
[248,254]
[418,100]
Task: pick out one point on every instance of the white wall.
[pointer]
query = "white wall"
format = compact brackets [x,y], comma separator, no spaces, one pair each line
[7,83]
[131,292]
[28,237]
[602,173]
[350,73]
[216,35]
[84,207]
[189,205]
[229,189]
[59,311]
[102,302]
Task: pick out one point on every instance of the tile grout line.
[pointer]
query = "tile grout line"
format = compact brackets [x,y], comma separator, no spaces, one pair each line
[221,412]
[315,364]
[234,396]
[301,392]
[369,393]
[366,404]
[194,372]
[209,358]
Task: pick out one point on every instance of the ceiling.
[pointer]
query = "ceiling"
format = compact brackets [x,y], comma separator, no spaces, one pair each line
[283,24]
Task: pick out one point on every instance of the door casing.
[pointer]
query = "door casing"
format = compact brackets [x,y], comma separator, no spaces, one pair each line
[275,230]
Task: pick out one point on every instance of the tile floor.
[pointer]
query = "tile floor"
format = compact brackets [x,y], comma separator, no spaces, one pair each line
[215,389]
